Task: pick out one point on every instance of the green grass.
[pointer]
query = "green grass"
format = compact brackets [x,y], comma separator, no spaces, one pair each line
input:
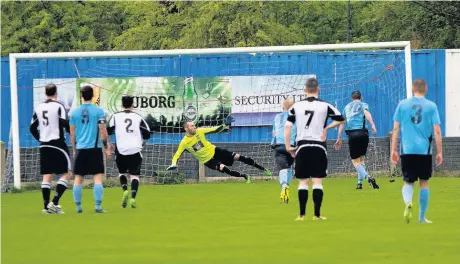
[235,223]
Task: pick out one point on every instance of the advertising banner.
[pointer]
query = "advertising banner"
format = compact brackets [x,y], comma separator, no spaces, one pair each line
[167,101]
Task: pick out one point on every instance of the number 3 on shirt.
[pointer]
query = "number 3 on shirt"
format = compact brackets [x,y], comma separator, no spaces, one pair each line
[310,117]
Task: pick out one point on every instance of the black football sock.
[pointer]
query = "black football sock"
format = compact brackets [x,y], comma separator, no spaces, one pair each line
[232,172]
[134,187]
[124,182]
[46,193]
[303,198]
[251,162]
[60,189]
[318,199]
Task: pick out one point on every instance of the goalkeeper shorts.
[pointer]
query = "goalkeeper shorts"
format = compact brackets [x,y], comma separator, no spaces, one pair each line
[221,156]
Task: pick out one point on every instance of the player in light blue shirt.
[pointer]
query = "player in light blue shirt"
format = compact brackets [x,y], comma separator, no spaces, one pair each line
[418,121]
[356,113]
[86,120]
[283,159]
[88,133]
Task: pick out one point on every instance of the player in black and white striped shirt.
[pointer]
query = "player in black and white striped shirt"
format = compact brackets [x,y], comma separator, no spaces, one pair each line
[48,124]
[131,131]
[310,116]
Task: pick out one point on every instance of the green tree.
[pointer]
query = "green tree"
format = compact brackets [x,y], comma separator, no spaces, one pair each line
[390,21]
[102,25]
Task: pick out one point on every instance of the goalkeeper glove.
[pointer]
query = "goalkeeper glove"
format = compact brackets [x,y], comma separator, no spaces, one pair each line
[171,167]
[228,121]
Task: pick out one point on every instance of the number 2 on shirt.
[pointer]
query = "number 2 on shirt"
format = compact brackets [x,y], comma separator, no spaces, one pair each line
[129,122]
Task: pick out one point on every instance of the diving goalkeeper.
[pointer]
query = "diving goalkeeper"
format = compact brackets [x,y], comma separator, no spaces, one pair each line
[211,156]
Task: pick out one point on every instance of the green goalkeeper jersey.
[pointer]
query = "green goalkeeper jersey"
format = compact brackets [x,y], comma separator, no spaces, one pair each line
[198,145]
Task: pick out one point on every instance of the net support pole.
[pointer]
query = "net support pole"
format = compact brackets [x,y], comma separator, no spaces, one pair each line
[408,68]
[2,162]
[201,173]
[15,122]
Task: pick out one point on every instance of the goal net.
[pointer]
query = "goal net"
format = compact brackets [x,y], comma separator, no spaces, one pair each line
[206,86]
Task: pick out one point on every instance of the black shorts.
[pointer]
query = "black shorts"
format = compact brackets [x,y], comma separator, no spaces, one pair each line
[310,162]
[358,140]
[129,164]
[89,162]
[54,158]
[221,156]
[416,167]
[283,159]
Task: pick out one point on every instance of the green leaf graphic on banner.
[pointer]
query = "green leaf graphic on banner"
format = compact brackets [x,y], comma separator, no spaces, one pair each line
[165,102]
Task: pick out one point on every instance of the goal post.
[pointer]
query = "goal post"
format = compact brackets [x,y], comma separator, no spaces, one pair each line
[404,46]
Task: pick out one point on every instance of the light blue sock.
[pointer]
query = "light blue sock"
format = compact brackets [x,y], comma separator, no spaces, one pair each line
[289,176]
[360,178]
[98,193]
[361,173]
[365,169]
[77,193]
[424,198]
[283,175]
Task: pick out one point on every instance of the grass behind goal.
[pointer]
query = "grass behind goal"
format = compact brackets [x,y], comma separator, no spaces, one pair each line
[235,223]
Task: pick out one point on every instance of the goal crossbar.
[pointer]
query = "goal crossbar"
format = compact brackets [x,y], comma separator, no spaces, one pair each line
[13,57]
[175,52]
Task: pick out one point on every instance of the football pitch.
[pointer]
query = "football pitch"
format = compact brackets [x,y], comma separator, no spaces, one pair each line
[235,223]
